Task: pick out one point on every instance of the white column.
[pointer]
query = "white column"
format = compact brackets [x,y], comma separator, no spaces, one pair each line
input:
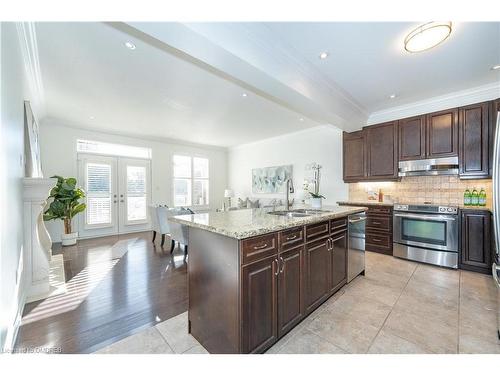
[37,242]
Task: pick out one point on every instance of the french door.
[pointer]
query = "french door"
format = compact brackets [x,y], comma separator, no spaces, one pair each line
[118,194]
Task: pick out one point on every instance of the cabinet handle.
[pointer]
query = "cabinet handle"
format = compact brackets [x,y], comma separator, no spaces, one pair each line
[277,267]
[259,247]
[376,222]
[282,264]
[291,237]
[329,244]
[376,240]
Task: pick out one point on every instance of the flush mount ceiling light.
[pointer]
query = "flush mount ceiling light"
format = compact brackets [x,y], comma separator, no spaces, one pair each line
[392,96]
[427,36]
[244,94]
[130,45]
[495,67]
[301,119]
[323,55]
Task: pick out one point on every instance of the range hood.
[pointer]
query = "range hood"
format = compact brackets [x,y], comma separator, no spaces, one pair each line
[429,167]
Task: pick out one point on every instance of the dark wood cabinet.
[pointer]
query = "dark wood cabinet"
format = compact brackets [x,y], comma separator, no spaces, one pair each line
[354,156]
[259,305]
[338,254]
[382,151]
[474,140]
[442,134]
[318,269]
[290,289]
[411,136]
[476,249]
[495,109]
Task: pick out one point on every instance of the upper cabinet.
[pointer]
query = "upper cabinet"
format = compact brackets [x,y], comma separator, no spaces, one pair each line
[354,156]
[412,138]
[382,151]
[474,145]
[442,134]
[372,154]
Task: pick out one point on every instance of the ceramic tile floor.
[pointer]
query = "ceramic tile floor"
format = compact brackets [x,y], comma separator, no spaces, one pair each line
[398,307]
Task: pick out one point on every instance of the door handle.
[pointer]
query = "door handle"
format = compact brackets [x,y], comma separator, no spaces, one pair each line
[277,267]
[121,200]
[282,264]
[115,201]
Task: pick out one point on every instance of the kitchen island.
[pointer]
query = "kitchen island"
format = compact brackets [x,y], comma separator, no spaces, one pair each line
[253,274]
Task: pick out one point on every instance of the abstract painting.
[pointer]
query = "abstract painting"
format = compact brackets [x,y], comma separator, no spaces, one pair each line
[270,180]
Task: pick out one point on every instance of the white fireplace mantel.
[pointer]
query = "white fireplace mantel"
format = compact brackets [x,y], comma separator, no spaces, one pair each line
[37,242]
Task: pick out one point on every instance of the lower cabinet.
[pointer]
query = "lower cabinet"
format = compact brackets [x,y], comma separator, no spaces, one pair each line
[476,249]
[260,305]
[290,289]
[317,271]
[338,261]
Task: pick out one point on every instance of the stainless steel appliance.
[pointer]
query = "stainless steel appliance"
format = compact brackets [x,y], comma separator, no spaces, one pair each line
[427,234]
[429,167]
[496,217]
[356,246]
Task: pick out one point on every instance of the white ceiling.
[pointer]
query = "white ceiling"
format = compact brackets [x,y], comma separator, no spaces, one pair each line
[87,72]
[185,81]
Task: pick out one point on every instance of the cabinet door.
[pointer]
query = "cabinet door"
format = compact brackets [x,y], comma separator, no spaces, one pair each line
[495,109]
[412,138]
[382,151]
[318,268]
[476,240]
[354,156]
[290,289]
[339,261]
[259,305]
[442,134]
[473,140]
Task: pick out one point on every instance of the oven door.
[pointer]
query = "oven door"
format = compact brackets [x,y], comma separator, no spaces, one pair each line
[436,232]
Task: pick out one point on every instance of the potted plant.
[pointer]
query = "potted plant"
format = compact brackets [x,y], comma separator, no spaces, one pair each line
[316,199]
[65,205]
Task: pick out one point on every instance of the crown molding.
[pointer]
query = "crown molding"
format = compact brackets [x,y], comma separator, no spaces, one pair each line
[456,99]
[29,50]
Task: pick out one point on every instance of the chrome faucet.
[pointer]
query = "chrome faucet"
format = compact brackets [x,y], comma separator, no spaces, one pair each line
[289,189]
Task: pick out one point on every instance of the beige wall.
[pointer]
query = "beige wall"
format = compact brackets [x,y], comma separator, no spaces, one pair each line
[445,190]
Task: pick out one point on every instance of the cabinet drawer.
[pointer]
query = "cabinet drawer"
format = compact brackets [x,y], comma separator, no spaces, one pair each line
[260,247]
[379,239]
[315,231]
[337,225]
[291,238]
[379,223]
[379,210]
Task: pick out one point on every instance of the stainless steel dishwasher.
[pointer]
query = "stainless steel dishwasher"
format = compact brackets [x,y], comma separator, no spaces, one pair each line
[356,249]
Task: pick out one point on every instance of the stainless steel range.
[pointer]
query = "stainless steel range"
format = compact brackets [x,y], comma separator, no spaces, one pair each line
[427,234]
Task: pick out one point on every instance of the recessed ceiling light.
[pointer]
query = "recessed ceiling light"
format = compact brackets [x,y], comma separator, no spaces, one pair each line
[301,119]
[244,94]
[427,36]
[392,96]
[495,67]
[323,55]
[92,117]
[130,45]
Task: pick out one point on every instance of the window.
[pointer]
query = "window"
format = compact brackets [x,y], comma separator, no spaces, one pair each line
[98,194]
[191,181]
[94,147]
[136,193]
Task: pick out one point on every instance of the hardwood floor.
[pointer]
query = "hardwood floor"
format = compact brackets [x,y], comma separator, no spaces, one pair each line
[116,286]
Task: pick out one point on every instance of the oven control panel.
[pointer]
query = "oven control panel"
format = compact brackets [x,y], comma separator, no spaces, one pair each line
[450,210]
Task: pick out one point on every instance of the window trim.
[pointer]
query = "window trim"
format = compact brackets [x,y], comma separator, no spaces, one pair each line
[192,179]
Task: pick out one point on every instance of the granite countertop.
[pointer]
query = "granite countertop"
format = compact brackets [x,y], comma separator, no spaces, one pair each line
[366,203]
[240,224]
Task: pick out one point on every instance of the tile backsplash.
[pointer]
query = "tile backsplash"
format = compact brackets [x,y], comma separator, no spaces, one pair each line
[444,190]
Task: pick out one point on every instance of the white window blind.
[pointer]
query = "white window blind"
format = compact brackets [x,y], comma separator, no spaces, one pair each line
[191,181]
[136,193]
[98,193]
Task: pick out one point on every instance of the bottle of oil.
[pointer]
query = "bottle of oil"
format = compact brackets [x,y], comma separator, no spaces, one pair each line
[482,197]
[474,197]
[467,197]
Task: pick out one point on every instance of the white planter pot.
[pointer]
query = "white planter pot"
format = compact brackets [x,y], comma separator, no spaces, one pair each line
[316,202]
[69,239]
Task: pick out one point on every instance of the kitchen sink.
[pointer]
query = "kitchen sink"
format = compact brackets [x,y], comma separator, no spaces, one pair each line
[302,212]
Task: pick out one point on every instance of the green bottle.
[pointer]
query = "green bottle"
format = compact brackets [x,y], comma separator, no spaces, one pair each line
[467,197]
[474,198]
[482,197]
